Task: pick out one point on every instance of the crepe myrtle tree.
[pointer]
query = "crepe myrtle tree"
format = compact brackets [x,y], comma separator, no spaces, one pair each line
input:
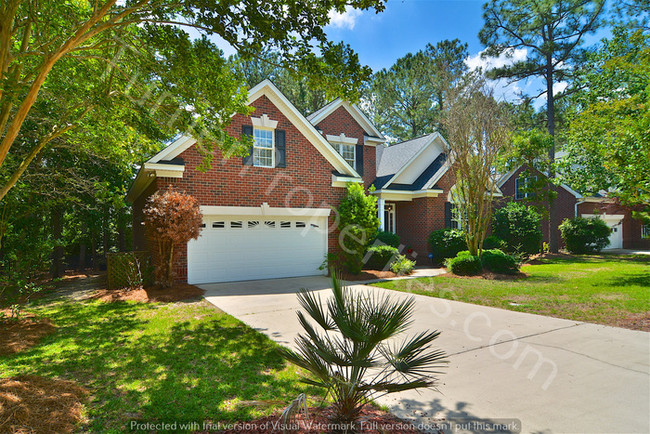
[170,218]
[355,357]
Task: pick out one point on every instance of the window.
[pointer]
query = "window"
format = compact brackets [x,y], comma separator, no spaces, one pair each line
[389,217]
[236,225]
[270,223]
[456,220]
[252,224]
[218,225]
[285,225]
[348,152]
[301,224]
[523,187]
[263,148]
[645,231]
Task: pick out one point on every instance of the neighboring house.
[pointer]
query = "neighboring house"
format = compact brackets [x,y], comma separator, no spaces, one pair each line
[627,232]
[270,214]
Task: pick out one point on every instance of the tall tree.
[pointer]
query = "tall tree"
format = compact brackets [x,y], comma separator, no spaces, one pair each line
[609,138]
[552,33]
[36,37]
[406,100]
[478,132]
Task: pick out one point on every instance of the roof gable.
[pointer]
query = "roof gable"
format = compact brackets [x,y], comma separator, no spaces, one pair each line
[268,89]
[506,176]
[359,116]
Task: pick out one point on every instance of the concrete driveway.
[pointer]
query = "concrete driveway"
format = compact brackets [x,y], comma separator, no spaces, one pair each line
[524,371]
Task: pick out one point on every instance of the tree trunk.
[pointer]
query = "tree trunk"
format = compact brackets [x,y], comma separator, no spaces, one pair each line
[93,247]
[105,231]
[553,244]
[57,231]
[82,247]
[121,231]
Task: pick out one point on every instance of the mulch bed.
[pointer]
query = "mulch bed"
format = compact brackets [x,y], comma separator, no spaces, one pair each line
[20,334]
[372,421]
[635,321]
[33,404]
[178,292]
[369,275]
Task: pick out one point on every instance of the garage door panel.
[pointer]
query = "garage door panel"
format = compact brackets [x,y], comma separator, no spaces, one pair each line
[256,249]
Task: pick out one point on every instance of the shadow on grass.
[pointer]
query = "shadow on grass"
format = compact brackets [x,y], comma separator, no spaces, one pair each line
[636,279]
[159,363]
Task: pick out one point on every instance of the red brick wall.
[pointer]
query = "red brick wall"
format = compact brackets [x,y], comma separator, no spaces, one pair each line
[341,121]
[565,203]
[139,238]
[306,182]
[418,218]
[631,226]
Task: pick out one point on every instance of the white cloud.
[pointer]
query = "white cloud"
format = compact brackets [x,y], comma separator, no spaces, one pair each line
[345,20]
[559,87]
[506,58]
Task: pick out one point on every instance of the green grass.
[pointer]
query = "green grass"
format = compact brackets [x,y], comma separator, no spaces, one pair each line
[157,362]
[602,289]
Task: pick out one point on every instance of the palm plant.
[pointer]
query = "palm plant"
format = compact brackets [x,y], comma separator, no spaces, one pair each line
[354,357]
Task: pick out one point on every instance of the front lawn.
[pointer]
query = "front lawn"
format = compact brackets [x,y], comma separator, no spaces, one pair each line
[159,363]
[613,290]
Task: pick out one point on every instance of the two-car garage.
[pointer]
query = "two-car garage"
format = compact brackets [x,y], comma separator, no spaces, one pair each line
[248,243]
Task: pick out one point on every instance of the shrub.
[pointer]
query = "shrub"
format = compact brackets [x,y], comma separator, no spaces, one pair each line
[380,256]
[497,261]
[358,224]
[519,226]
[388,238]
[402,266]
[171,218]
[585,235]
[446,243]
[346,343]
[494,242]
[464,264]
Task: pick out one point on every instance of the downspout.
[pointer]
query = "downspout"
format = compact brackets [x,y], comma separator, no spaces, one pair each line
[575,213]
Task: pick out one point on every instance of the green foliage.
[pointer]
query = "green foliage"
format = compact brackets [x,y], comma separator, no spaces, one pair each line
[345,341]
[408,97]
[402,266]
[388,238]
[608,138]
[446,243]
[464,264]
[381,256]
[497,261]
[358,223]
[494,242]
[519,226]
[585,235]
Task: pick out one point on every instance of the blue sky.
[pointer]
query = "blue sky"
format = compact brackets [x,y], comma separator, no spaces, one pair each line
[407,26]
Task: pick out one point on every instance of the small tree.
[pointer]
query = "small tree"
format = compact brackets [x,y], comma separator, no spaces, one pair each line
[359,225]
[519,226]
[478,132]
[170,218]
[355,358]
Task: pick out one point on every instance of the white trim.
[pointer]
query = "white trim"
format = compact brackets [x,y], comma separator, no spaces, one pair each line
[264,122]
[342,181]
[373,141]
[173,150]
[605,217]
[268,89]
[272,148]
[342,139]
[354,111]
[264,210]
[401,195]
[408,164]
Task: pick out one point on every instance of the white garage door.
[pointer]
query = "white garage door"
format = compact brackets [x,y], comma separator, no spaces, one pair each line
[233,248]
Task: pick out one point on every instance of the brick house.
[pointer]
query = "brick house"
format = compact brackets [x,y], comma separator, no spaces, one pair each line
[271,214]
[627,232]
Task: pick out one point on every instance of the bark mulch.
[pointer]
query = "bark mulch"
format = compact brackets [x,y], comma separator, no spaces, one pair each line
[33,404]
[19,334]
[178,292]
[369,275]
[372,421]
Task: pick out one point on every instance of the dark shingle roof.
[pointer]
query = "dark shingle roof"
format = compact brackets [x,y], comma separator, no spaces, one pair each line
[392,158]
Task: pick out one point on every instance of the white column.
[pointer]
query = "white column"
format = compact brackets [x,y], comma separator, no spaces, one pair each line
[380,209]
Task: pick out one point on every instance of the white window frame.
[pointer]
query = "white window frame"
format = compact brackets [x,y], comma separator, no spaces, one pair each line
[455,217]
[527,194]
[645,231]
[339,149]
[390,218]
[264,148]
[341,140]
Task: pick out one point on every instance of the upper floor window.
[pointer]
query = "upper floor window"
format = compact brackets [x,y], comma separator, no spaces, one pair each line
[645,231]
[263,148]
[348,152]
[523,187]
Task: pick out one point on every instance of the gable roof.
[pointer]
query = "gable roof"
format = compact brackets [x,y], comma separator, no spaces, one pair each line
[319,115]
[506,176]
[398,159]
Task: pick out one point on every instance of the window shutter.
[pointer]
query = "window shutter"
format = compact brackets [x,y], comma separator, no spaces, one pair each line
[280,148]
[247,130]
[448,214]
[359,158]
